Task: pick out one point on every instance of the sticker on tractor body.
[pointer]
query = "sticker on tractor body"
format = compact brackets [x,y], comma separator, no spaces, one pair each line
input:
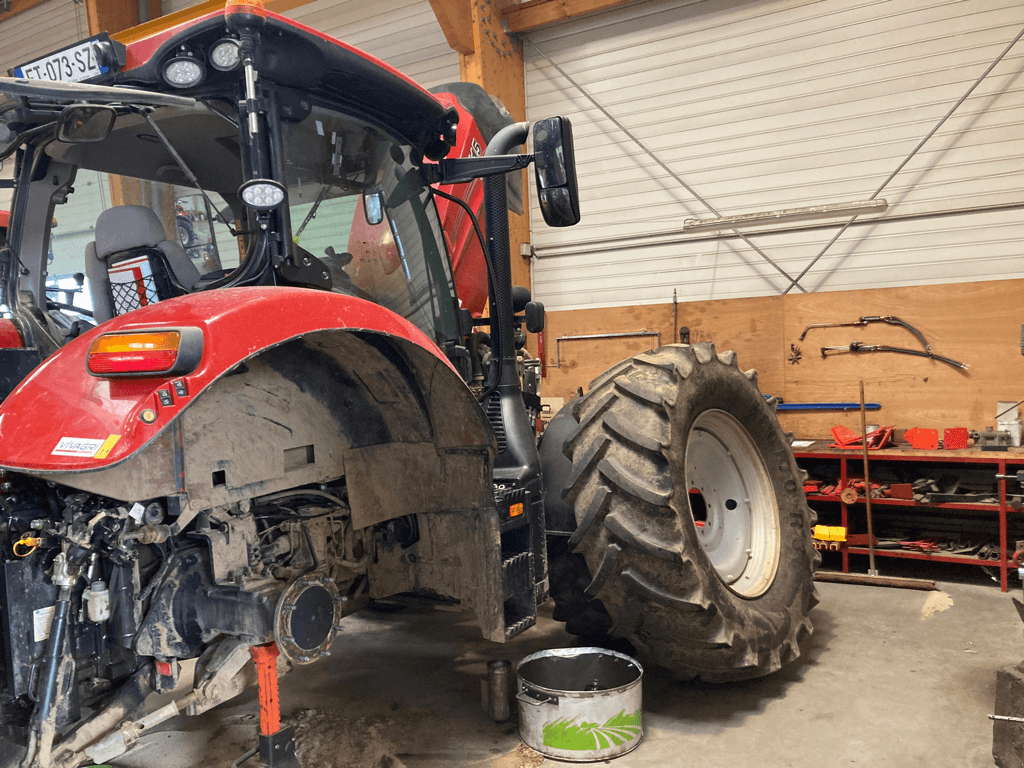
[41,620]
[567,734]
[85,446]
[77,446]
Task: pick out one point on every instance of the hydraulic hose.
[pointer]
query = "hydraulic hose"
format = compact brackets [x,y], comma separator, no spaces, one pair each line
[489,264]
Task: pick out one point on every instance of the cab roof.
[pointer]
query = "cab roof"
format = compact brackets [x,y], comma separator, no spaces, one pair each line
[309,62]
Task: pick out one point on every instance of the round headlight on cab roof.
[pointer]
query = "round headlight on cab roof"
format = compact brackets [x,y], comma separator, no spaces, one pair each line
[226,54]
[184,70]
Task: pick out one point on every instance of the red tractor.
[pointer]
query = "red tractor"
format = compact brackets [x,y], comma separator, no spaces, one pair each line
[202,457]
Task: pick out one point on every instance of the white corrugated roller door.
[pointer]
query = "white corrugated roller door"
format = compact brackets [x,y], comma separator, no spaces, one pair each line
[404,33]
[27,35]
[46,27]
[777,104]
[170,6]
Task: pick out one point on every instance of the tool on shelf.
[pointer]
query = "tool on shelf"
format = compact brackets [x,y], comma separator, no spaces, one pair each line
[955,438]
[889,319]
[858,346]
[992,440]
[922,439]
[826,406]
[847,438]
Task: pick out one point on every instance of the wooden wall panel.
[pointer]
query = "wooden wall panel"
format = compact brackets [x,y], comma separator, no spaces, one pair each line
[976,323]
[752,327]
[582,360]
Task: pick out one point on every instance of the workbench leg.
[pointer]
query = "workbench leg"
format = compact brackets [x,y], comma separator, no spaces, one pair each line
[1003,581]
[844,512]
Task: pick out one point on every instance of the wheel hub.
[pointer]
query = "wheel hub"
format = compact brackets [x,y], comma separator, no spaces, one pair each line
[740,530]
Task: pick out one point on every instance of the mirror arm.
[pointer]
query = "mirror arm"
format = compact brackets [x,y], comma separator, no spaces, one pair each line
[462,169]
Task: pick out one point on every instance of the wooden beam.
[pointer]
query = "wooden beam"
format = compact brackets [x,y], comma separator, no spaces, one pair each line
[456,20]
[540,13]
[116,15]
[156,24]
[496,64]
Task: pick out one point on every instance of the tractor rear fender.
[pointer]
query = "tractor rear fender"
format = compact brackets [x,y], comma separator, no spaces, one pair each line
[293,387]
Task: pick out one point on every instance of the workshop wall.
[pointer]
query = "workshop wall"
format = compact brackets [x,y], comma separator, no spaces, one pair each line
[976,323]
[774,104]
[404,33]
[40,29]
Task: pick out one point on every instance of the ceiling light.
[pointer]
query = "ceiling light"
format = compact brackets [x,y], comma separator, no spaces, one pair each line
[786,216]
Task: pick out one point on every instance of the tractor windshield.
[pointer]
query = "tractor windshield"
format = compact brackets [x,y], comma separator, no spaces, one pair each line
[359,205]
[151,211]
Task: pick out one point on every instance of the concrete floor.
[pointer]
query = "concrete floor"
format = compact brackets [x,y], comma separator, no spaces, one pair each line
[878,685]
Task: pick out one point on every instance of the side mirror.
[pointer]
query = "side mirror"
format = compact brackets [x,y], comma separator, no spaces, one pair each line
[534,317]
[373,208]
[85,123]
[555,165]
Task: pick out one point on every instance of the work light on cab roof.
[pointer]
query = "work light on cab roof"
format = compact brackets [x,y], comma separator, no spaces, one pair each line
[185,69]
[226,54]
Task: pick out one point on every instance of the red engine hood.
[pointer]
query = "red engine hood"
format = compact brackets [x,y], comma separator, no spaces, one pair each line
[62,418]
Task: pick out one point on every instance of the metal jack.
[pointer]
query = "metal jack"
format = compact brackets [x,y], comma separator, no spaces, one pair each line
[276,746]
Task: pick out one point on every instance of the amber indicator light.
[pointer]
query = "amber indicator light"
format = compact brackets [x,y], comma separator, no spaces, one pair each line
[134,352]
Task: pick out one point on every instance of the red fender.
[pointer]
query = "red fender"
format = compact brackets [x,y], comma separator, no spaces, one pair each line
[61,400]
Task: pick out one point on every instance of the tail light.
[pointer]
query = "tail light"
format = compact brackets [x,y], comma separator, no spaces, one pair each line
[146,353]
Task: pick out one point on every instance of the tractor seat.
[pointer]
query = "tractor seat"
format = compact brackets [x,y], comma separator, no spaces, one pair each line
[131,263]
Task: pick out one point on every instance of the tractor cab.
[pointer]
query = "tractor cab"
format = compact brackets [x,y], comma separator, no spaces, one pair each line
[336,202]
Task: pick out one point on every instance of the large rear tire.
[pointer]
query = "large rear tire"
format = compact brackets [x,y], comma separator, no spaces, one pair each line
[715,582]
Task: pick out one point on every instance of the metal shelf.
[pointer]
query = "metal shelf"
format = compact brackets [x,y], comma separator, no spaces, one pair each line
[885,501]
[1000,461]
[936,557]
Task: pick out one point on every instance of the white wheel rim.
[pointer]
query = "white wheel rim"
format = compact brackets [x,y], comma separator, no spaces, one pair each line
[740,536]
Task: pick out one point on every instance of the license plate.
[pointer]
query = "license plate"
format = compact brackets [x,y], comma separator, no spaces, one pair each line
[71,65]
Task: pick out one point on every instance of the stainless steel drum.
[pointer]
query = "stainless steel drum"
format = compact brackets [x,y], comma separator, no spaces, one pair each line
[580,704]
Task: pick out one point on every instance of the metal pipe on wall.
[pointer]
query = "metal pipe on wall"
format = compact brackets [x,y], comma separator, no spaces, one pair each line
[558,340]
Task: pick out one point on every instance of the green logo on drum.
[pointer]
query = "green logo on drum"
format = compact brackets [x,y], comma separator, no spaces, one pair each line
[567,734]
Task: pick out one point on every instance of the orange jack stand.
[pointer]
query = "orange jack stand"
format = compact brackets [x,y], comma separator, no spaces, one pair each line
[276,746]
